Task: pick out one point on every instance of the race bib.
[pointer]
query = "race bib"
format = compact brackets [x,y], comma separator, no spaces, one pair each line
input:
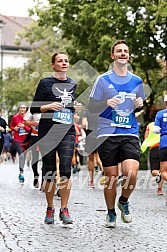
[63,116]
[34,130]
[121,119]
[22,132]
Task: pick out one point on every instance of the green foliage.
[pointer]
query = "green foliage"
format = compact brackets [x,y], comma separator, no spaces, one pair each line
[144,160]
[86,30]
[20,84]
[92,26]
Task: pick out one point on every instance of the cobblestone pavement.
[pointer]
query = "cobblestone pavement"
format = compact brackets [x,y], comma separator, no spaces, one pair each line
[22,212]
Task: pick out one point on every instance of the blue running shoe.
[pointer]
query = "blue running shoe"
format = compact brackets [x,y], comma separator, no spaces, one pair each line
[125,214]
[74,171]
[111,220]
[65,216]
[21,178]
[49,218]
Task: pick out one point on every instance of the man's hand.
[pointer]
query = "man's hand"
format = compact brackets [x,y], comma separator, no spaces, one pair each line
[113,102]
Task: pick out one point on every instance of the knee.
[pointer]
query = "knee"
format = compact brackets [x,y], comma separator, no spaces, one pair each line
[132,175]
[154,172]
[164,175]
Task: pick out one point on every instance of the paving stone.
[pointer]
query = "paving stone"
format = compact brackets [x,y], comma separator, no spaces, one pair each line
[22,213]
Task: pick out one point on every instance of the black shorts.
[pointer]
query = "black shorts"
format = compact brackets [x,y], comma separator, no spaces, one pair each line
[116,149]
[6,149]
[154,159]
[163,154]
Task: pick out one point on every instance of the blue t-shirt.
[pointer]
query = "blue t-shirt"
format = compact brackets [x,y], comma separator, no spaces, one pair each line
[161,121]
[121,120]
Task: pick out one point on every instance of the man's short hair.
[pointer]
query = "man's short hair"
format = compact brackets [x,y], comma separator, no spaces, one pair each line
[118,42]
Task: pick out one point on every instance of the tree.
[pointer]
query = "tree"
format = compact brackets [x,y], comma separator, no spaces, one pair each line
[20,84]
[93,25]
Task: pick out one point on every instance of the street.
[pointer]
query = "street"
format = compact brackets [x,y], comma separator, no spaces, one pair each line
[23,207]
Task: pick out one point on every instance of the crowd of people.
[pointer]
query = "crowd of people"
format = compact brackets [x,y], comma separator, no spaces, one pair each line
[54,128]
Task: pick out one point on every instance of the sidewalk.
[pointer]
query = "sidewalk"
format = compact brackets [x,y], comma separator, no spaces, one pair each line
[22,213]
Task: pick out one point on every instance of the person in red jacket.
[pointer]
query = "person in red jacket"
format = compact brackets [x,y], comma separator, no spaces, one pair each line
[19,133]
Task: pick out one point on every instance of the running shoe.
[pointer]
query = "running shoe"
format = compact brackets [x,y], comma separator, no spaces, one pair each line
[91,184]
[64,216]
[159,191]
[125,214]
[49,218]
[42,188]
[102,180]
[158,178]
[21,178]
[36,182]
[74,171]
[96,168]
[111,220]
[78,169]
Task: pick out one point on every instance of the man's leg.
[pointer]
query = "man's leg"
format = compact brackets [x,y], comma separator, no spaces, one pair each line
[129,169]
[91,169]
[110,190]
[163,165]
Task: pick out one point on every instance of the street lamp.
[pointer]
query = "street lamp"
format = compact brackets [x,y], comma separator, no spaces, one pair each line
[1,61]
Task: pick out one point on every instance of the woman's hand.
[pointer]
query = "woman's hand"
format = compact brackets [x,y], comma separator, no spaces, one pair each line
[55,106]
[51,106]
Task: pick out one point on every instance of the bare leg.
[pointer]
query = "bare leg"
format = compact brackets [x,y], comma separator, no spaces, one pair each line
[91,167]
[98,161]
[110,189]
[49,192]
[163,170]
[129,168]
[65,188]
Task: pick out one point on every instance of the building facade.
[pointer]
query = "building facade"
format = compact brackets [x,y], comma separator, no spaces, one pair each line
[12,54]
